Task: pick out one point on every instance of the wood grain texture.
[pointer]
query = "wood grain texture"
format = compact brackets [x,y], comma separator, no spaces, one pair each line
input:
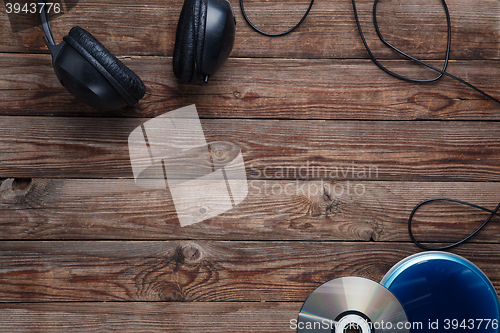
[198,271]
[270,88]
[98,148]
[273,210]
[329,32]
[173,317]
[337,154]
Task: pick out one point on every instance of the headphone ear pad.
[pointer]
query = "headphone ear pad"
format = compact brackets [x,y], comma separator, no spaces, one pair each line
[189,40]
[126,82]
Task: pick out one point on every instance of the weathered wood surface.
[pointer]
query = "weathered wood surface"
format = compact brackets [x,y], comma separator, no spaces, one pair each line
[268,88]
[175,317]
[198,271]
[328,32]
[274,210]
[98,148]
[82,248]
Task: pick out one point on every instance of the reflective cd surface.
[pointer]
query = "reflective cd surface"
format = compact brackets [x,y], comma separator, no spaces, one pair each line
[444,292]
[352,304]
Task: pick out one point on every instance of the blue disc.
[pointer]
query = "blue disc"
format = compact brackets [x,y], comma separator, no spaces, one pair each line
[443,292]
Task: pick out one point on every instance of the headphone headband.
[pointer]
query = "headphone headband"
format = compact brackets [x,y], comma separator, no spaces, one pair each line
[44,17]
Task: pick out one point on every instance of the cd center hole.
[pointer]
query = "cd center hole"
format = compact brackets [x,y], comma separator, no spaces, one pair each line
[352,328]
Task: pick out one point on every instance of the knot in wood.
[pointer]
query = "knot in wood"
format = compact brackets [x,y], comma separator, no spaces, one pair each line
[14,189]
[431,101]
[222,153]
[219,153]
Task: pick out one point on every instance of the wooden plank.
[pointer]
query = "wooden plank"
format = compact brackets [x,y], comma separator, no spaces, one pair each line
[253,88]
[198,271]
[329,32]
[33,147]
[149,317]
[99,253]
[273,210]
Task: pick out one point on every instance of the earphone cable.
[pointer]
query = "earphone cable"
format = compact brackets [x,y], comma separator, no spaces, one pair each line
[279,33]
[414,240]
[441,71]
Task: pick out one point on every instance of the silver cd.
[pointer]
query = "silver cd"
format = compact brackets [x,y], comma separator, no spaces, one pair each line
[352,304]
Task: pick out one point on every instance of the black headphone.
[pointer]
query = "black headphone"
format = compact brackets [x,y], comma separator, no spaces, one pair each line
[89,71]
[204,39]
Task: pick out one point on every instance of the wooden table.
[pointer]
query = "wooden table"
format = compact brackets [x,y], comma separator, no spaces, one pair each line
[84,249]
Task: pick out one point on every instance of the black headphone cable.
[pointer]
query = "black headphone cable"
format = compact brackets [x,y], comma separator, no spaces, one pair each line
[279,33]
[441,71]
[425,247]
[379,34]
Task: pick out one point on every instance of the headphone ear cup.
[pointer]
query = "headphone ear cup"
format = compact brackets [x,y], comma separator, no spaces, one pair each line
[220,30]
[204,39]
[126,82]
[189,40]
[200,24]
